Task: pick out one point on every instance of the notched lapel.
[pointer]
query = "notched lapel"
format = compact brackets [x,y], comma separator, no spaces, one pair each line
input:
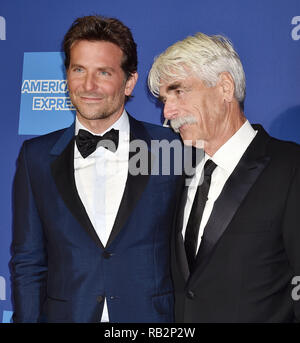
[135,184]
[62,169]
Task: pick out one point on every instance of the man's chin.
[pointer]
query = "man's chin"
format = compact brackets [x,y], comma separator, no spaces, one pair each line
[93,115]
[189,140]
[199,144]
[179,129]
[184,127]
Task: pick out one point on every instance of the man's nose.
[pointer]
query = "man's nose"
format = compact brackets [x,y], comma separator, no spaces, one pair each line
[170,109]
[90,82]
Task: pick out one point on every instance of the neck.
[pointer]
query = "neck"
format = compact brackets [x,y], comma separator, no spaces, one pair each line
[224,132]
[98,126]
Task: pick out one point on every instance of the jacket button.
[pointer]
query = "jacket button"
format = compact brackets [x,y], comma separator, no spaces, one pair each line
[106,254]
[100,298]
[190,294]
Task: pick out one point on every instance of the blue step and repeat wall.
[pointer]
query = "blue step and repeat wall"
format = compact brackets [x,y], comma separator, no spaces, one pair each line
[33,92]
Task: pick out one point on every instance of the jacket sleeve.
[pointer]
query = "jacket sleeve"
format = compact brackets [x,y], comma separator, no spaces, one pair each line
[29,258]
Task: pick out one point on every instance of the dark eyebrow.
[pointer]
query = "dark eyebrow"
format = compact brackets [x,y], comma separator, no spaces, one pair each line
[171,87]
[174,86]
[76,65]
[104,68]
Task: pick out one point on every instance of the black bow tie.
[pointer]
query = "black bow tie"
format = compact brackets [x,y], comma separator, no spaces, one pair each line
[87,142]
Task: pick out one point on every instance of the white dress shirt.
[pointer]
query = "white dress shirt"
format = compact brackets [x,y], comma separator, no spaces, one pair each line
[226,159]
[100,180]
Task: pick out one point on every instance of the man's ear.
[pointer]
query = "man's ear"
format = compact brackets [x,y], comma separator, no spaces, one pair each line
[130,83]
[227,86]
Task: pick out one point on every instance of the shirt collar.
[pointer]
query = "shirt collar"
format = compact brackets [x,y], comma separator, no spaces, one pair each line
[229,154]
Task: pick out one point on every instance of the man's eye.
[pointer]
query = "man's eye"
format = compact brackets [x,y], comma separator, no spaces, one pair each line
[104,73]
[78,70]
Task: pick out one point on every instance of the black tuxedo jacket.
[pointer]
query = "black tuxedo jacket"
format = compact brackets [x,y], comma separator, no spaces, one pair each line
[250,249]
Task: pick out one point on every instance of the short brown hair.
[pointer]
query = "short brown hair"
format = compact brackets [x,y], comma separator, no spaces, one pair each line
[98,28]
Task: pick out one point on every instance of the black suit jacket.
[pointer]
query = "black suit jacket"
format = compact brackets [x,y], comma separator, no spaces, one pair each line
[250,249]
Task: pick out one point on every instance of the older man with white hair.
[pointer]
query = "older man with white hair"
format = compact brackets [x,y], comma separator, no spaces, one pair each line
[235,246]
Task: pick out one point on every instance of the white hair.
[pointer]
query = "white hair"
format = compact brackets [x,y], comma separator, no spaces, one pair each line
[206,56]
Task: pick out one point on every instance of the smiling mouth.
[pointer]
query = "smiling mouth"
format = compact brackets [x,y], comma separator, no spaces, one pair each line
[90,99]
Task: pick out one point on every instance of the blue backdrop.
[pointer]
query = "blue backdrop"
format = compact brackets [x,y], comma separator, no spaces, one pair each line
[266,34]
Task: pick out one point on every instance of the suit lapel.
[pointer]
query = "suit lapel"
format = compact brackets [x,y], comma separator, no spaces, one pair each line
[135,184]
[62,169]
[181,259]
[234,191]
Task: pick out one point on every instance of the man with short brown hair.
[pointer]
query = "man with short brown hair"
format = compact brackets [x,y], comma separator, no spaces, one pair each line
[91,239]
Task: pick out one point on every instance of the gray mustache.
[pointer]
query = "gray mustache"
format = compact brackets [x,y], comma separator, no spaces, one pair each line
[178,122]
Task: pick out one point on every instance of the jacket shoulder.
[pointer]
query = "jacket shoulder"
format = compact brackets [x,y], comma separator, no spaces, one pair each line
[42,145]
[44,140]
[286,151]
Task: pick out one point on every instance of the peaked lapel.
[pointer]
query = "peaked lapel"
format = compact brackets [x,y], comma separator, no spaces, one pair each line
[251,165]
[62,169]
[135,184]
